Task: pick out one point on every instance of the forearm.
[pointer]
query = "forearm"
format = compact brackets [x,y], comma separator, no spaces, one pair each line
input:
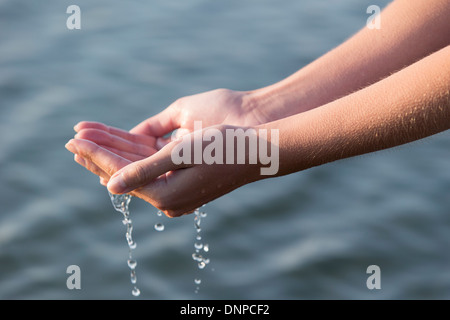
[411,104]
[410,30]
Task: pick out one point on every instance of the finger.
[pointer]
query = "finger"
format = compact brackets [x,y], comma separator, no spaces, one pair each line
[134,138]
[159,125]
[91,167]
[140,173]
[127,155]
[182,191]
[101,157]
[104,138]
[103,181]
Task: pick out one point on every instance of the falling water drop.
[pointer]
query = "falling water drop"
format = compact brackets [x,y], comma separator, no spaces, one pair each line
[132,264]
[121,204]
[198,245]
[136,292]
[132,245]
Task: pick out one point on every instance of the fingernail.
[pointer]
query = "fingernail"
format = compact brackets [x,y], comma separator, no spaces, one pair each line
[76,127]
[103,181]
[117,184]
[70,146]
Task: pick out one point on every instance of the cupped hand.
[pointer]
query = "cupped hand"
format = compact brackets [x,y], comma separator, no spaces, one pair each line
[104,139]
[174,188]
[220,106]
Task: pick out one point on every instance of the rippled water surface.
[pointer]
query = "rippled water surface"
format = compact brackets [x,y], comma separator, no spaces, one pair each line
[309,235]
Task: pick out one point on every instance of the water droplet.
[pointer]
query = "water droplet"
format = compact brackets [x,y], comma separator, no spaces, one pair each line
[159,227]
[132,245]
[133,276]
[198,245]
[159,213]
[197,257]
[121,204]
[136,292]
[132,264]
[129,238]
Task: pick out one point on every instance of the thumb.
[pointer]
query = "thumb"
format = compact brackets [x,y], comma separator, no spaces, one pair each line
[159,125]
[139,173]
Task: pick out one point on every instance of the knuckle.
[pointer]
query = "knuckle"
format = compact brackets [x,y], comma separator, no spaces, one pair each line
[138,173]
[140,169]
[178,103]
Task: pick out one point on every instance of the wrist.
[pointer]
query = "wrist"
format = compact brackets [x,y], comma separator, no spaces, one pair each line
[280,100]
[250,150]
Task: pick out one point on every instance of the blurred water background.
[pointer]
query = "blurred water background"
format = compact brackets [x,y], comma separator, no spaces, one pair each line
[310,235]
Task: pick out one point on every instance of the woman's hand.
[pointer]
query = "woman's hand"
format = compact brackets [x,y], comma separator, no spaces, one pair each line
[220,106]
[173,187]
